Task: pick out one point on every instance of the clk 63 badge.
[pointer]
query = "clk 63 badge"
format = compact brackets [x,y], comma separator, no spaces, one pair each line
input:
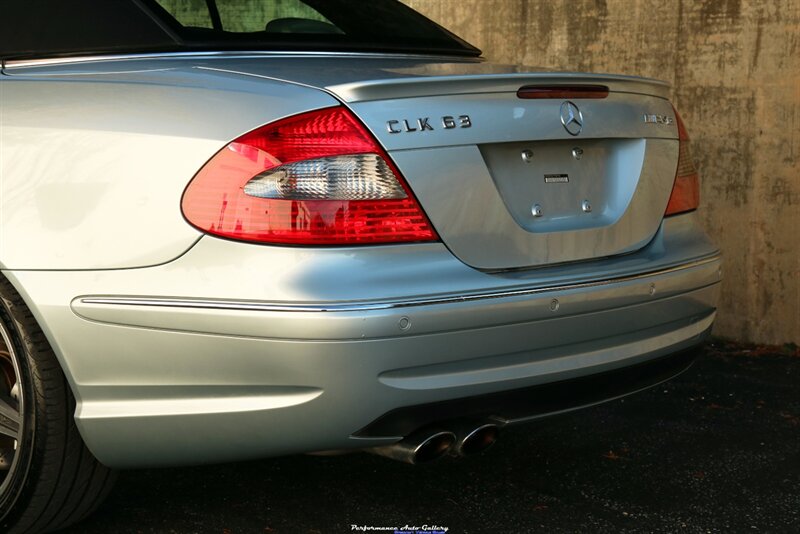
[424,123]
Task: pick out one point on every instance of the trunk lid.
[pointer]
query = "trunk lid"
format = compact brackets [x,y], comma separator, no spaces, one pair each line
[505,183]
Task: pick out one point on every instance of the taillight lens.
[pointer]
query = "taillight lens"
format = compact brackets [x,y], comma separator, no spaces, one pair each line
[317,178]
[686,189]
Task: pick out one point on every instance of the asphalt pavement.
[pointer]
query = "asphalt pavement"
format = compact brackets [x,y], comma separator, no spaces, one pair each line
[714,450]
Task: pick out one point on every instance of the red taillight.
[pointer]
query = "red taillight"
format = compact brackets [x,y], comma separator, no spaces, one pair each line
[317,178]
[686,190]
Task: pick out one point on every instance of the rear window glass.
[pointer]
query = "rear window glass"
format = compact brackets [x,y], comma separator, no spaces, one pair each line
[44,28]
[246,17]
[189,13]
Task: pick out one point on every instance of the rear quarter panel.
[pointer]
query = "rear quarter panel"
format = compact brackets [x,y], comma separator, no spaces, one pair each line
[93,165]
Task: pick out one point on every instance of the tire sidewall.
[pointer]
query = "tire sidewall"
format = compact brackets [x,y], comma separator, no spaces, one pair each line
[17,492]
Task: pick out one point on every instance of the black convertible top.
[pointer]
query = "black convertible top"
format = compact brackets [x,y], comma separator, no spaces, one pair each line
[55,28]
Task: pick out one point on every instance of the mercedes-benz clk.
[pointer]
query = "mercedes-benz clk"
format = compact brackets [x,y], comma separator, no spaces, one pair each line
[238,230]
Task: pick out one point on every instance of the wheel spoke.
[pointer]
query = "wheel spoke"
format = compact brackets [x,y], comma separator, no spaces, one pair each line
[9,419]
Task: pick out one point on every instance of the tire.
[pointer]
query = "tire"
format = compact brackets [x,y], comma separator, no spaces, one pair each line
[49,480]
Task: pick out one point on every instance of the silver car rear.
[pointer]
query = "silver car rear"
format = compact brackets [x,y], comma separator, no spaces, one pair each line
[273,335]
[200,296]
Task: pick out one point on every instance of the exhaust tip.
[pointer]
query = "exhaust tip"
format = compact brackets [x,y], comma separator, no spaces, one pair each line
[478,440]
[434,447]
[418,448]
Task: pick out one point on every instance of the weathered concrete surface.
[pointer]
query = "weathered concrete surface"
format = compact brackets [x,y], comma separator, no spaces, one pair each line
[735,68]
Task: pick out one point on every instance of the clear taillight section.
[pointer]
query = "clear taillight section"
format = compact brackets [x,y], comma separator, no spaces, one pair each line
[317,178]
[354,177]
[686,189]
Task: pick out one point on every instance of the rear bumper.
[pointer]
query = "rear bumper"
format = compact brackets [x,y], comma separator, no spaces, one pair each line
[525,404]
[188,376]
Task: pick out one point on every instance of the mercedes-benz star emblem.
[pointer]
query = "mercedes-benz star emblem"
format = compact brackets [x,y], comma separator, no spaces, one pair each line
[571,118]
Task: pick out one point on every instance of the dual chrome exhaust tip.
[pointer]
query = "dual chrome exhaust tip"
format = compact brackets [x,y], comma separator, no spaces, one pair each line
[427,445]
[476,440]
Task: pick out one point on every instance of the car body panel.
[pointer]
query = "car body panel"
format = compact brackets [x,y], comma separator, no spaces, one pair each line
[185,348]
[362,76]
[459,185]
[94,166]
[244,383]
[229,233]
[504,118]
[471,213]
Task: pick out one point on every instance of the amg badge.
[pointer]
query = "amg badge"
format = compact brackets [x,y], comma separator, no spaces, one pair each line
[657,119]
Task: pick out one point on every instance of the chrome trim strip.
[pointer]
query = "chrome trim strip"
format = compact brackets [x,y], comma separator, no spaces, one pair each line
[227,54]
[372,306]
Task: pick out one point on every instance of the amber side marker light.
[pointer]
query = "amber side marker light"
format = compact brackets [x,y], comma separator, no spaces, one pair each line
[686,189]
[562,91]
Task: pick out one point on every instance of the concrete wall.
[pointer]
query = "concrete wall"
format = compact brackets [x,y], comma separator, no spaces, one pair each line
[735,70]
